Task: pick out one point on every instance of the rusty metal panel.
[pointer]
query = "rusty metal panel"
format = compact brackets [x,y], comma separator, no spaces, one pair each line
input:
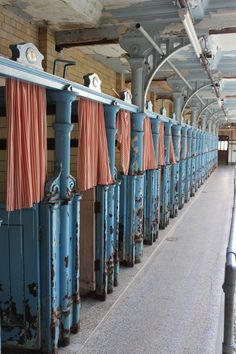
[19,278]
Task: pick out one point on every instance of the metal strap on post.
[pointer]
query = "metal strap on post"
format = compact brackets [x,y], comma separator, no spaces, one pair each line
[230,282]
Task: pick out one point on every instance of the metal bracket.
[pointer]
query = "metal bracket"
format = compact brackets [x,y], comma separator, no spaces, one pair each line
[66,64]
[52,188]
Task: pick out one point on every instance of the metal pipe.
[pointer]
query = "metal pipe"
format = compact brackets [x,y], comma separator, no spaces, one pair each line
[159,50]
[205,108]
[193,94]
[230,282]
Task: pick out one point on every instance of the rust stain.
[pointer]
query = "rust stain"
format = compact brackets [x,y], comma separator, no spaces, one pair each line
[66,261]
[33,289]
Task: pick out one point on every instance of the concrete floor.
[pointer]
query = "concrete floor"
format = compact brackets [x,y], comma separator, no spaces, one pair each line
[171,303]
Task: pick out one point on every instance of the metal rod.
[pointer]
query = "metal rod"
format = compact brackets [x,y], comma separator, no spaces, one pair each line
[159,50]
[10,68]
[230,282]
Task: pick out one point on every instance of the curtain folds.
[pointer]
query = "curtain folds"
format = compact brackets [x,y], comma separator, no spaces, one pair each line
[123,138]
[26,144]
[93,160]
[149,159]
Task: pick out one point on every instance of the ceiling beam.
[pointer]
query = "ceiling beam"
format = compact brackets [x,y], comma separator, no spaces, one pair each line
[89,36]
[227,30]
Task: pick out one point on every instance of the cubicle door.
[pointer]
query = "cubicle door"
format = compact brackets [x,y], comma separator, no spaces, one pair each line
[19,278]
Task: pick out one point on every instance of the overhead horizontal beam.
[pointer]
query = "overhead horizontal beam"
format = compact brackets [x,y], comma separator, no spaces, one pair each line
[227,30]
[89,36]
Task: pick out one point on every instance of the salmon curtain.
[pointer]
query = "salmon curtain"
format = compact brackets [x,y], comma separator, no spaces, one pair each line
[149,159]
[172,151]
[123,138]
[93,160]
[26,144]
[161,145]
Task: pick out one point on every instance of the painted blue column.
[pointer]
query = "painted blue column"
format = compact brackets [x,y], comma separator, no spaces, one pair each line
[182,170]
[63,129]
[116,232]
[188,165]
[165,181]
[76,264]
[110,122]
[134,241]
[156,176]
[174,188]
[151,194]
[198,167]
[193,164]
[100,242]
[122,218]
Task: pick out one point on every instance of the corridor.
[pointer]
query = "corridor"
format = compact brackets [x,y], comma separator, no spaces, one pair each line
[171,306]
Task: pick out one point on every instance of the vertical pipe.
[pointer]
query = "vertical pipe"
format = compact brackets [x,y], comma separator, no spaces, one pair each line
[178,105]
[101,242]
[165,184]
[137,75]
[175,180]
[63,129]
[150,200]
[110,123]
[155,135]
[188,165]
[116,233]
[193,163]
[136,169]
[76,264]
[182,171]
[122,218]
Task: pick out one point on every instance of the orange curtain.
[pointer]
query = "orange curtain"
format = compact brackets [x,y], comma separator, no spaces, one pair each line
[172,151]
[93,161]
[149,159]
[26,144]
[123,138]
[161,145]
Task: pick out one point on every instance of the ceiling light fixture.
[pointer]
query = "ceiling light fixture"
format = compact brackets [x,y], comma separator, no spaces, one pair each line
[188,25]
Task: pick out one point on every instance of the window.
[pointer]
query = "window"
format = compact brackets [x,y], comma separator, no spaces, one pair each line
[223,143]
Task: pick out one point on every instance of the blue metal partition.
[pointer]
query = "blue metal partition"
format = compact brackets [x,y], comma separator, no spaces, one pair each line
[174,186]
[198,160]
[165,181]
[20,278]
[135,194]
[182,167]
[193,163]
[151,195]
[188,165]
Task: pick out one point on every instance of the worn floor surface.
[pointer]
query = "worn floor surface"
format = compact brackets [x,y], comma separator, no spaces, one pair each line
[170,303]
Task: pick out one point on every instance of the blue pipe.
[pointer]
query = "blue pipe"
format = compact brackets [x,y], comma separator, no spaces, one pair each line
[188,165]
[110,123]
[136,187]
[151,193]
[182,170]
[116,232]
[193,165]
[100,242]
[63,129]
[76,264]
[123,218]
[129,240]
[174,188]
